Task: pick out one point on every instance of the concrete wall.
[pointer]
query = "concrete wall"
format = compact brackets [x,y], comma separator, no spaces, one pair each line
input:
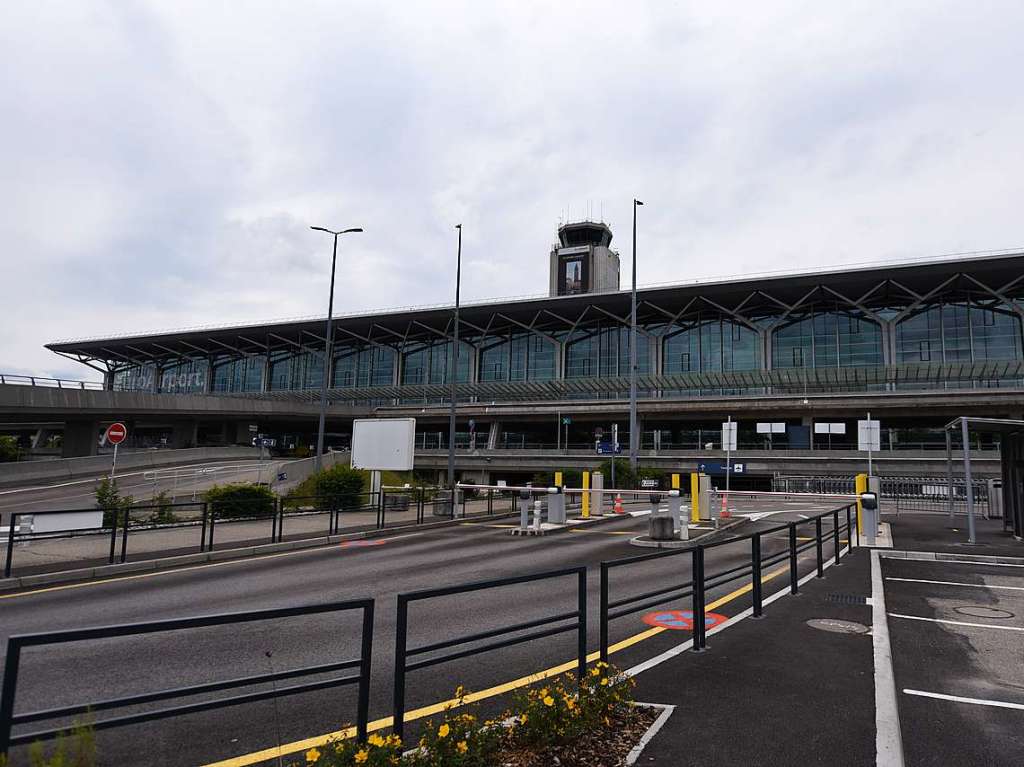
[30,473]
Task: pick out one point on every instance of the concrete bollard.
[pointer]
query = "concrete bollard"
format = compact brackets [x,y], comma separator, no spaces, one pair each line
[537,507]
[524,509]
[675,510]
[596,494]
[556,506]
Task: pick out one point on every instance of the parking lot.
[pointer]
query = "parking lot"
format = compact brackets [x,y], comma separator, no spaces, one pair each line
[956,629]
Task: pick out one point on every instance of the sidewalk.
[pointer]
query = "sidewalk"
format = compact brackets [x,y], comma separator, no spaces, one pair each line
[774,691]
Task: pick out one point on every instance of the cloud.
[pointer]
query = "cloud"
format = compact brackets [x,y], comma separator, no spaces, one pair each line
[164,160]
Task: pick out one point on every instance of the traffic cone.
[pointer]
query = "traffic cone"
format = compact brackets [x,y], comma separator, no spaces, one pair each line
[726,514]
[618,505]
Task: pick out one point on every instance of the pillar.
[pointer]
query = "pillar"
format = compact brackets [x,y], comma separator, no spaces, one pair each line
[81,438]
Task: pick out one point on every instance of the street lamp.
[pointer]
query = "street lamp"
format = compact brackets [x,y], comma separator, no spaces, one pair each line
[454,373]
[318,461]
[634,437]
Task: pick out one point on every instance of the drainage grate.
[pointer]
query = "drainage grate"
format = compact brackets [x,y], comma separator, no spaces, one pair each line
[847,599]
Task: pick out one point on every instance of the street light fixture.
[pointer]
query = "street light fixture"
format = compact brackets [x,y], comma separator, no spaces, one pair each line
[454,374]
[634,436]
[318,460]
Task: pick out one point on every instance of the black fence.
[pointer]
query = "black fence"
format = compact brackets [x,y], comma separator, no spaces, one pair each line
[700,581]
[403,652]
[9,720]
[145,531]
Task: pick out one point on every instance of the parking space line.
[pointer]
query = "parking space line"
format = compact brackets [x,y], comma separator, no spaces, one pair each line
[956,623]
[960,699]
[955,583]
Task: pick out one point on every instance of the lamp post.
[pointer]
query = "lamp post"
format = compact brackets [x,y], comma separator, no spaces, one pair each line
[634,437]
[454,374]
[318,460]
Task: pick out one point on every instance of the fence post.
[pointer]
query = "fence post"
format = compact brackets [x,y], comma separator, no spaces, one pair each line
[818,545]
[363,710]
[124,535]
[10,543]
[401,629]
[113,538]
[835,534]
[581,632]
[490,500]
[603,616]
[755,572]
[7,693]
[202,534]
[213,520]
[794,586]
[697,563]
[380,509]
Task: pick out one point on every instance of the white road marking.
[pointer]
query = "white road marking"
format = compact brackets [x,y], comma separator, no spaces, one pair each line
[956,583]
[888,737]
[956,623]
[960,699]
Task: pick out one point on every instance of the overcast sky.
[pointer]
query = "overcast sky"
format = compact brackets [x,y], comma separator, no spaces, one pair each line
[162,161]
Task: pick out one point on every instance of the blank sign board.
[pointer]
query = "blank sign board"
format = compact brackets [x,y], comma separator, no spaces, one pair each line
[383,443]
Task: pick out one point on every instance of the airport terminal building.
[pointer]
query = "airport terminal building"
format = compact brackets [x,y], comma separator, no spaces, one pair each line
[932,339]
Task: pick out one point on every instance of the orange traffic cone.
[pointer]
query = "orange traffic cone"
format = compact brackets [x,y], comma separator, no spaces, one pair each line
[618,505]
[725,507]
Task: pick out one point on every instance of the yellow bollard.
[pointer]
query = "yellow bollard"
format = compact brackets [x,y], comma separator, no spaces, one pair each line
[694,497]
[860,486]
[558,479]
[586,494]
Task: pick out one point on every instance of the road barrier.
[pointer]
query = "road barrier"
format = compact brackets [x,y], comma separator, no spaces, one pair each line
[700,581]
[9,719]
[403,652]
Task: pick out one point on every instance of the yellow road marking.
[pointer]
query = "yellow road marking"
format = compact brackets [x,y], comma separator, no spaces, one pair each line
[436,708]
[189,568]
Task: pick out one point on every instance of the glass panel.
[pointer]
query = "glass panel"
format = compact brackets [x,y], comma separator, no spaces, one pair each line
[188,377]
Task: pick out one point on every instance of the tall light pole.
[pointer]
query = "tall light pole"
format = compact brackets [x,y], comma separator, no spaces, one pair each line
[318,460]
[454,374]
[634,436]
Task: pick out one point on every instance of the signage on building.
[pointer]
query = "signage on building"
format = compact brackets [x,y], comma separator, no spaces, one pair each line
[717,468]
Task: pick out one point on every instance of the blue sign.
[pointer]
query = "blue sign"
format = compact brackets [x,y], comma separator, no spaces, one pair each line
[717,468]
[606,448]
[282,476]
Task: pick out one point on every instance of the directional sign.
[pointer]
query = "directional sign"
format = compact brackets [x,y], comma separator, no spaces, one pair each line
[729,435]
[566,420]
[715,468]
[607,448]
[681,620]
[116,433]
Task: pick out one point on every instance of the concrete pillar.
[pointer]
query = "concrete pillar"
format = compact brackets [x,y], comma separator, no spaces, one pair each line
[184,434]
[81,438]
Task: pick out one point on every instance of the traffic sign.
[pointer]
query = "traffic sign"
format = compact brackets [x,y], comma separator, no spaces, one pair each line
[729,435]
[681,620]
[869,436]
[566,420]
[116,433]
[717,467]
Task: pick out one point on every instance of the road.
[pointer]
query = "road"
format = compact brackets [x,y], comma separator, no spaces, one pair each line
[404,562]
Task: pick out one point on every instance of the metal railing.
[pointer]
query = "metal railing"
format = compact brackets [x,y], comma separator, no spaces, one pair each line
[700,581]
[10,720]
[403,652]
[921,493]
[51,383]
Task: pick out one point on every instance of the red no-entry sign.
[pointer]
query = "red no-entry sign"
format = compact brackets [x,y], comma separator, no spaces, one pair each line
[116,433]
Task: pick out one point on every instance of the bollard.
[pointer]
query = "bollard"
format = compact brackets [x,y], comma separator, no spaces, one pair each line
[596,494]
[556,505]
[675,510]
[869,516]
[524,509]
[537,514]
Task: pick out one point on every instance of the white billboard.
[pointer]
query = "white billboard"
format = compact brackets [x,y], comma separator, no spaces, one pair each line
[383,444]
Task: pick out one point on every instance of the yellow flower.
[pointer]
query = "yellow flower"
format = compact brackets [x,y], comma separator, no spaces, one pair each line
[443,730]
[607,722]
[604,682]
[462,747]
[460,691]
[393,740]
[362,756]
[522,719]
[312,755]
[570,703]
[549,701]
[376,740]
[595,671]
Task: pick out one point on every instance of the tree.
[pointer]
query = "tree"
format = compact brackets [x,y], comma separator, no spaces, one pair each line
[109,498]
[8,449]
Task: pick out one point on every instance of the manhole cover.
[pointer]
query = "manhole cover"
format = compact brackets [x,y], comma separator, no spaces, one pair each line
[837,626]
[980,611]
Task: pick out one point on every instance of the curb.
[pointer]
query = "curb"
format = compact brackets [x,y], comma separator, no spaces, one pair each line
[690,542]
[219,555]
[666,711]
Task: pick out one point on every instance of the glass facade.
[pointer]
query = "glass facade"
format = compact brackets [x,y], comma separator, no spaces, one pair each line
[429,363]
[232,374]
[711,345]
[135,378]
[823,339]
[959,333]
[520,357]
[604,351]
[363,367]
[291,370]
[188,377]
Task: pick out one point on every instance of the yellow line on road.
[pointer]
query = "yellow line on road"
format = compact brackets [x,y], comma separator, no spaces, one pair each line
[436,708]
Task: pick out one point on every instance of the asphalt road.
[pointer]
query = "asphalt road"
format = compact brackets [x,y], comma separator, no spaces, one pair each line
[405,562]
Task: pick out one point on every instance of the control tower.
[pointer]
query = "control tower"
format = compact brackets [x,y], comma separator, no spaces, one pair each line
[582,261]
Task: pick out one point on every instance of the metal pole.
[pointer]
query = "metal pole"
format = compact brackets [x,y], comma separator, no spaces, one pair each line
[794,585]
[634,452]
[870,441]
[728,461]
[968,487]
[365,655]
[454,373]
[398,701]
[318,461]
[949,474]
[755,572]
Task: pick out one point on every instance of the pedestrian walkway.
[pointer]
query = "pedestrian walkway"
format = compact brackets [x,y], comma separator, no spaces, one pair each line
[909,656]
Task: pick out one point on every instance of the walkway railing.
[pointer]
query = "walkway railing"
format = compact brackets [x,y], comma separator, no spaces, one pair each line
[16,644]
[51,383]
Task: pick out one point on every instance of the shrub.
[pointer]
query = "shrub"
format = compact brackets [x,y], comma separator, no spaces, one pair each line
[625,477]
[378,751]
[109,498]
[240,500]
[339,487]
[78,750]
[459,739]
[8,449]
[163,511]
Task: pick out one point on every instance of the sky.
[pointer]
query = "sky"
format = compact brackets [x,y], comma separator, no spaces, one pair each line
[161,162]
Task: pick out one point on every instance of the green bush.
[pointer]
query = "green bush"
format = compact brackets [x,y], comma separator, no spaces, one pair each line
[240,500]
[625,477]
[162,510]
[109,498]
[8,449]
[339,487]
[76,750]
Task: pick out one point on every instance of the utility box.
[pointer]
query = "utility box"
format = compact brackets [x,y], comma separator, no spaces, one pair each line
[556,506]
[995,499]
[596,494]
[704,495]
[869,517]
